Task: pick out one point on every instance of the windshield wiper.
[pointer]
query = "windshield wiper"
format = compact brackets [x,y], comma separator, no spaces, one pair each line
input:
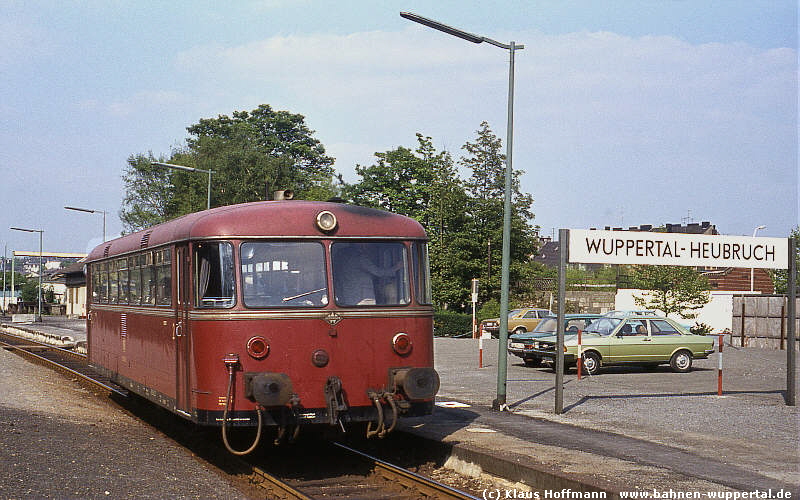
[287,299]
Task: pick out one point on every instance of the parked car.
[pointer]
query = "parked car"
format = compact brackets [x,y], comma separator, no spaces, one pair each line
[522,344]
[519,321]
[637,339]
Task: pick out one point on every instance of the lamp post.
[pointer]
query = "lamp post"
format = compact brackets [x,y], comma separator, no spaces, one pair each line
[502,363]
[40,231]
[752,274]
[87,210]
[190,169]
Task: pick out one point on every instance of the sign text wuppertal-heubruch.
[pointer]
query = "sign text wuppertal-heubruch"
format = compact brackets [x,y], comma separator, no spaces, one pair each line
[639,247]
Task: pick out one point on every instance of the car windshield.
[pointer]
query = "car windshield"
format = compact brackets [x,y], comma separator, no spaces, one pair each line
[547,325]
[603,326]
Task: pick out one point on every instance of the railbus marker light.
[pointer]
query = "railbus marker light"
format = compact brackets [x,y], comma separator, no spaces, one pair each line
[326,221]
[320,358]
[258,347]
[401,343]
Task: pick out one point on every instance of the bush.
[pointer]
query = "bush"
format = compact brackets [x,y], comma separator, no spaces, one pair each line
[452,324]
[701,329]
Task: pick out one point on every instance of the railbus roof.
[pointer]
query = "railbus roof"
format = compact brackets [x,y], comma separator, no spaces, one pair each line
[286,218]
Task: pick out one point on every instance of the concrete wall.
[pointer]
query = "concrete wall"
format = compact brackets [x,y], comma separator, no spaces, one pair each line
[717,313]
[590,301]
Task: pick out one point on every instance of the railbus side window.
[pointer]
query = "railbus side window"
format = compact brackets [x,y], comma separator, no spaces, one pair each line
[113,282]
[103,291]
[134,280]
[163,266]
[96,280]
[148,279]
[122,265]
[422,279]
[283,274]
[214,277]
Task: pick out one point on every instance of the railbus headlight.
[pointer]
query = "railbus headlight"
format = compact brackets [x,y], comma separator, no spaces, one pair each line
[326,221]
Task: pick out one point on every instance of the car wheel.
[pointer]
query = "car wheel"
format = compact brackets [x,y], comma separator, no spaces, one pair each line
[591,363]
[520,329]
[681,362]
[533,362]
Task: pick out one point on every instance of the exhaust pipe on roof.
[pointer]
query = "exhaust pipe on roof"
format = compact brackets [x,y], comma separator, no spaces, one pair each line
[286,194]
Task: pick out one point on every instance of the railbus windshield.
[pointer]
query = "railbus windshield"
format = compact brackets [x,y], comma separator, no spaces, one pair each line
[370,273]
[283,274]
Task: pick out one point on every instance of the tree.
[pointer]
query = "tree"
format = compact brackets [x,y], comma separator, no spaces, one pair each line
[671,289]
[460,217]
[486,189]
[30,291]
[248,152]
[423,184]
[780,277]
[148,191]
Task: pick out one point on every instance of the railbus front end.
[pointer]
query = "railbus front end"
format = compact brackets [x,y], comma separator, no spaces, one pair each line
[279,314]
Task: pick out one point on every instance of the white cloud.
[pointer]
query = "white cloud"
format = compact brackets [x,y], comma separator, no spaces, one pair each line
[693,119]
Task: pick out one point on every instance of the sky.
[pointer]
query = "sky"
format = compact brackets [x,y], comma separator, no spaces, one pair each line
[625,112]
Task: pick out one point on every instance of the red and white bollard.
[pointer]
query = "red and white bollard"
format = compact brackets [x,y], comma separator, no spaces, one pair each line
[721,337]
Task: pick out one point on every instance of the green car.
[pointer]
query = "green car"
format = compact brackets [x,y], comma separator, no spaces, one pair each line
[641,339]
[522,344]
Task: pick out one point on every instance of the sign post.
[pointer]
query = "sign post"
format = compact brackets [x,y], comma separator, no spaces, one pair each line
[563,238]
[791,312]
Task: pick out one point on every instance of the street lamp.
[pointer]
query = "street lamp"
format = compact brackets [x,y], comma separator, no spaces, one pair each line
[755,231]
[40,231]
[500,402]
[190,169]
[87,210]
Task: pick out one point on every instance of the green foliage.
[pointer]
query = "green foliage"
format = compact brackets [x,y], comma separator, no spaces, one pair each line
[780,277]
[248,152]
[488,310]
[30,291]
[462,218]
[19,280]
[672,289]
[701,329]
[148,192]
[452,324]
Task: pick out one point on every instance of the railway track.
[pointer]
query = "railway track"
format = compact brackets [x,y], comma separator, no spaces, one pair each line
[66,361]
[319,470]
[344,472]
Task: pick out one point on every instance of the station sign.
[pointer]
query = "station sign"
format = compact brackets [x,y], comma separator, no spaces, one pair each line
[676,249]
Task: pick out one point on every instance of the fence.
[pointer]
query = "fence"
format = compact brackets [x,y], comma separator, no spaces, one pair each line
[760,321]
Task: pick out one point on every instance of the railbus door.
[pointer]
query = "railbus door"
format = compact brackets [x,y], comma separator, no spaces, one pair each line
[182,331]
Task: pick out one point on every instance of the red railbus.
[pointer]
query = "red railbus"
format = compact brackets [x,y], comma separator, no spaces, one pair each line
[277,313]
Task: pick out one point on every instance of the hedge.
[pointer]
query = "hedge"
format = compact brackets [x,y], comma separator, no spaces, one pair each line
[452,324]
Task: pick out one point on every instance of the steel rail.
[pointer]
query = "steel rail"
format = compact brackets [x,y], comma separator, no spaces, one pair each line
[426,485]
[26,350]
[275,485]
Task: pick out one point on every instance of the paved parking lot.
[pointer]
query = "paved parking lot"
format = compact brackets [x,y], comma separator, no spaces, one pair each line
[750,425]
